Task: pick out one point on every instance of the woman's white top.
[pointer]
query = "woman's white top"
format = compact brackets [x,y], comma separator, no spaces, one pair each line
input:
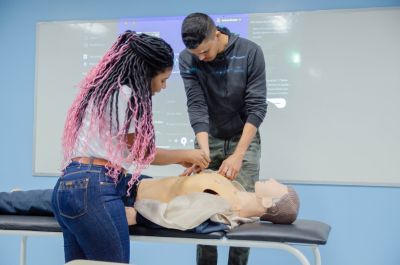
[93,144]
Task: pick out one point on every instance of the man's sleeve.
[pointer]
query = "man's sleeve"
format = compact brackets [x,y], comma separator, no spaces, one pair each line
[196,101]
[256,91]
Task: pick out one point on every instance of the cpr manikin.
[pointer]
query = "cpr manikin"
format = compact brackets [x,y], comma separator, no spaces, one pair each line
[271,201]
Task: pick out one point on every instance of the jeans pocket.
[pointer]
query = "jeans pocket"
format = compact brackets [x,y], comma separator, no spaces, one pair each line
[72,197]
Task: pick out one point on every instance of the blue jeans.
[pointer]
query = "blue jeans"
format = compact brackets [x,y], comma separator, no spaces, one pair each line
[89,207]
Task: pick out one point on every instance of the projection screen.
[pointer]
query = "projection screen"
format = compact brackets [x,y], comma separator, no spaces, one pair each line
[333,82]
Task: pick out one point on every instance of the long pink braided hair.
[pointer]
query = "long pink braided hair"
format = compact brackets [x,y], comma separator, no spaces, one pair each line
[133,60]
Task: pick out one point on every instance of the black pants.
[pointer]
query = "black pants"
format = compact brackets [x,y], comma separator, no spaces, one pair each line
[208,255]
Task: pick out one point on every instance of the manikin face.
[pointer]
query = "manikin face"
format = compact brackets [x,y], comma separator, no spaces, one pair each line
[160,81]
[209,48]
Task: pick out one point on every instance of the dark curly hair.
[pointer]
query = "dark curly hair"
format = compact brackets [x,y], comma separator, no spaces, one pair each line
[133,60]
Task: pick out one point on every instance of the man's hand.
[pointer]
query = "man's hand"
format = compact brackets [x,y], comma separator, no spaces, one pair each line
[231,166]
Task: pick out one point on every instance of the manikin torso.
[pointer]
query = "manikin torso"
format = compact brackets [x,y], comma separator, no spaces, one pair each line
[166,189]
[246,204]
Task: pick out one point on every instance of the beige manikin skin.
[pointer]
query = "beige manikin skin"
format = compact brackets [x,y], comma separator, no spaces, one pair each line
[246,204]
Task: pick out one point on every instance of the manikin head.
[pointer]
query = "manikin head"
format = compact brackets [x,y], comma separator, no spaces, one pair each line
[282,202]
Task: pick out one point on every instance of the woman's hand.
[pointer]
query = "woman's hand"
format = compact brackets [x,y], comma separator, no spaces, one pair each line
[184,157]
[195,161]
[194,169]
[195,157]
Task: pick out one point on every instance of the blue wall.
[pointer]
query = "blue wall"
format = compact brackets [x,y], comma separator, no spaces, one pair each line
[364,220]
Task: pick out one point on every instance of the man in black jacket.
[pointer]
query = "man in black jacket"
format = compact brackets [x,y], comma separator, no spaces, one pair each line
[225,84]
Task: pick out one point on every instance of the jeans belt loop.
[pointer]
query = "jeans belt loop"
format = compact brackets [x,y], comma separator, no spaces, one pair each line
[91,159]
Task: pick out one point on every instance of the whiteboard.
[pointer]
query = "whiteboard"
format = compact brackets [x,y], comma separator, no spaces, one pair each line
[333,82]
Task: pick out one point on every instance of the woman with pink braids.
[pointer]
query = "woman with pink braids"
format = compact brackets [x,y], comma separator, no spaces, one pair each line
[108,133]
